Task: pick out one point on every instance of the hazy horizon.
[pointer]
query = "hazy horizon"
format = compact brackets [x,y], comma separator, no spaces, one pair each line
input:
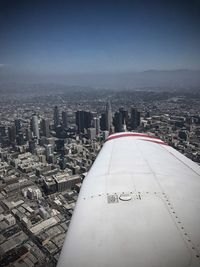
[46,39]
[125,80]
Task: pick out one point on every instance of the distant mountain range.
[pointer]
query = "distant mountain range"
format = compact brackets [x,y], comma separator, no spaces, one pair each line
[125,80]
[129,80]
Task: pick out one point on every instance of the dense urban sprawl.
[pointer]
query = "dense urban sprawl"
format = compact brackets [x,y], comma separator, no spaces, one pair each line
[48,143]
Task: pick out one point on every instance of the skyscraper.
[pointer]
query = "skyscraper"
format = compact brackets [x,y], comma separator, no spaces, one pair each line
[12,134]
[49,151]
[32,146]
[20,139]
[28,134]
[103,122]
[97,124]
[56,116]
[124,115]
[2,131]
[83,120]
[35,126]
[64,119]
[135,118]
[17,126]
[108,116]
[118,122]
[45,127]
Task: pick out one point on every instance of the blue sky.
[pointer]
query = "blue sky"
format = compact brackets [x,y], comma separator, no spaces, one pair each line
[69,37]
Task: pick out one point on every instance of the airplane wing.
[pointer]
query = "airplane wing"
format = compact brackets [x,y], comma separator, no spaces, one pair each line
[139,206]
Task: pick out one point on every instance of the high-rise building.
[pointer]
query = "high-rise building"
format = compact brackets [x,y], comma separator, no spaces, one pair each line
[32,146]
[3,135]
[124,115]
[118,125]
[28,134]
[83,120]
[45,127]
[35,126]
[49,151]
[2,131]
[56,116]
[12,134]
[17,126]
[103,122]
[59,145]
[97,125]
[63,163]
[88,116]
[135,118]
[108,116]
[64,119]
[20,139]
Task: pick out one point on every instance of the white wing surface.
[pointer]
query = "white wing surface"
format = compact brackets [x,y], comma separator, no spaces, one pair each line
[139,206]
